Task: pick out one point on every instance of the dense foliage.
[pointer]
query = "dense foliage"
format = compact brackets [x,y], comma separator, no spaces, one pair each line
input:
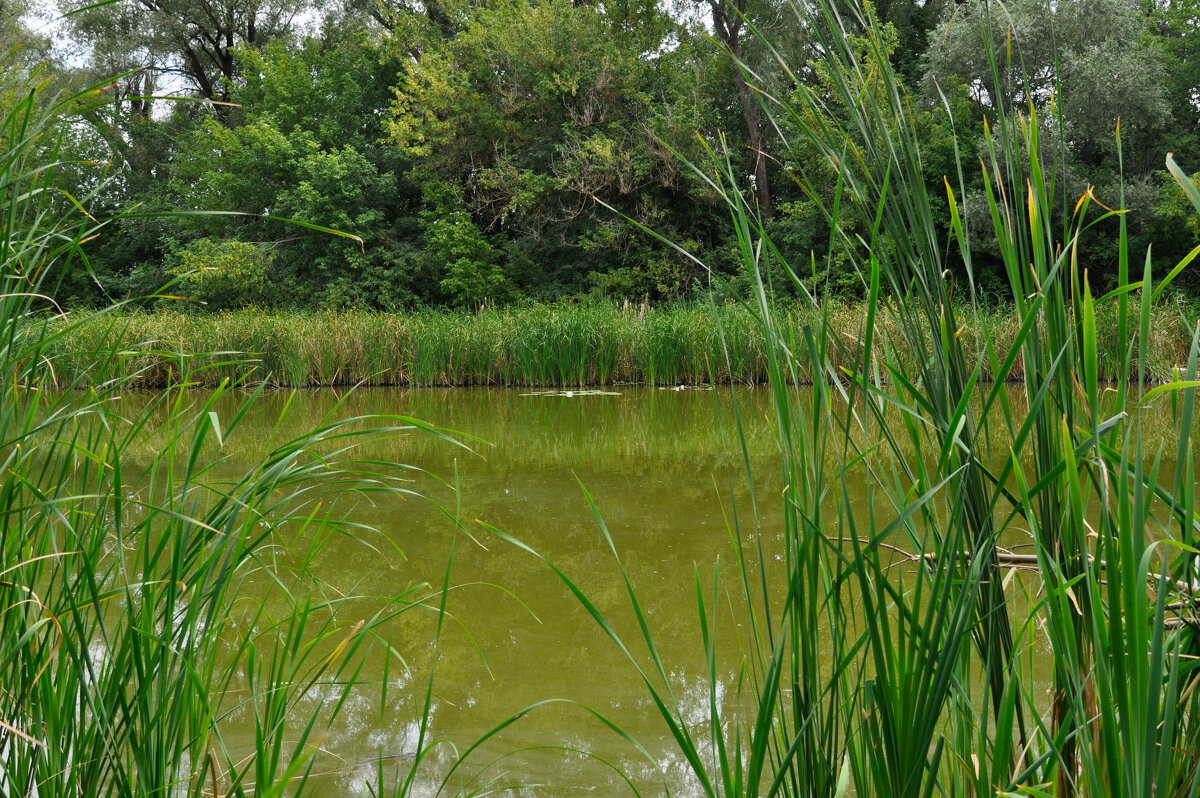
[483,151]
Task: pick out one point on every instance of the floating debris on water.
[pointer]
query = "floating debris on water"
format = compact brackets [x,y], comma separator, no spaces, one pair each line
[571,394]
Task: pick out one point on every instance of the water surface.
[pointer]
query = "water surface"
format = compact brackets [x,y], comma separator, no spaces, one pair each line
[664,468]
[667,472]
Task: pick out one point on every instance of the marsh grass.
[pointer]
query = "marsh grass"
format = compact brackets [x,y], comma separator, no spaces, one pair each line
[961,673]
[542,346]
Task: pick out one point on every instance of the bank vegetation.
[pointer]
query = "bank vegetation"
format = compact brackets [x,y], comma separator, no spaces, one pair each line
[563,345]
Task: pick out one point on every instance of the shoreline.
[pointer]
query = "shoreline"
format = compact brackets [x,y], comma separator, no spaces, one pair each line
[567,346]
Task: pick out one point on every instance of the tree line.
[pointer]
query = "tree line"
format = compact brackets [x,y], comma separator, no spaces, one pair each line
[478,152]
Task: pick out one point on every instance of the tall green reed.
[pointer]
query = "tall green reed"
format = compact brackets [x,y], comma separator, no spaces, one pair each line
[160,631]
[910,648]
[563,345]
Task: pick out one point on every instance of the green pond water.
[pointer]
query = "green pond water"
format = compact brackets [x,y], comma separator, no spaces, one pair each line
[666,471]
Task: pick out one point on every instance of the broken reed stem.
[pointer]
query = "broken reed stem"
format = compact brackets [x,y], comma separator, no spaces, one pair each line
[1006,558]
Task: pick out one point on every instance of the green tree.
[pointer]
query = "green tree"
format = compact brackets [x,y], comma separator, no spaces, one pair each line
[728,22]
[470,263]
[535,114]
[1092,56]
[802,231]
[1082,65]
[1176,28]
[144,49]
[912,20]
[196,41]
[222,274]
[308,148]
[24,48]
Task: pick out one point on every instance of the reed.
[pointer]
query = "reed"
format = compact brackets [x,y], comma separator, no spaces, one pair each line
[907,651]
[568,345]
[153,596]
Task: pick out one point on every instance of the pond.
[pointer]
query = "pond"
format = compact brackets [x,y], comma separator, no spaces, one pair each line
[665,469]
[667,472]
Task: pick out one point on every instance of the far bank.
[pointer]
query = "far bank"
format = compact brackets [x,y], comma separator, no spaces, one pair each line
[564,345]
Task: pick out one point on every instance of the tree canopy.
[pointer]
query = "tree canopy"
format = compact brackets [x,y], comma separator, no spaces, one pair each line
[481,151]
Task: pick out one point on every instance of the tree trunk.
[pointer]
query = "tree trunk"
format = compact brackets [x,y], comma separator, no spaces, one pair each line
[762,189]
[727,22]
